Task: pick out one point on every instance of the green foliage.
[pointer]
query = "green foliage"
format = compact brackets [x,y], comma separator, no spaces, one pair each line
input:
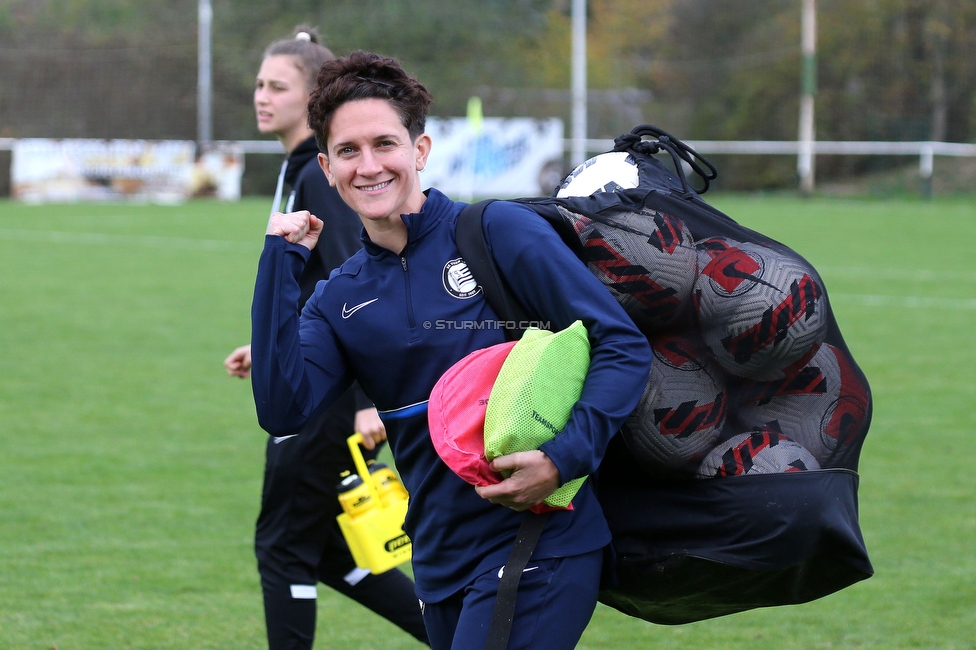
[897,69]
[131,464]
[103,22]
[451,46]
[701,69]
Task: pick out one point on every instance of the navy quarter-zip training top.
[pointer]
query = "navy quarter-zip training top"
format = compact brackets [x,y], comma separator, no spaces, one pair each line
[397,322]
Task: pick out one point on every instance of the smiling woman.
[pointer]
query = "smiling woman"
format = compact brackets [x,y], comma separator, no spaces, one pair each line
[374,163]
[369,119]
[298,542]
[371,322]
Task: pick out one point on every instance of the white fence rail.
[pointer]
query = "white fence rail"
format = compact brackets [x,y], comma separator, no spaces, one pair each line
[925,150]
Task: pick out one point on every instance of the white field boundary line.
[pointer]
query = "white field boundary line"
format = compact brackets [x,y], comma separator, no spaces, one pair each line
[906,302]
[214,245]
[144,241]
[102,239]
[901,302]
[908,275]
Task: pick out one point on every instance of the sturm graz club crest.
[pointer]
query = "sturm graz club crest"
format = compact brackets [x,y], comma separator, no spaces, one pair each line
[458,280]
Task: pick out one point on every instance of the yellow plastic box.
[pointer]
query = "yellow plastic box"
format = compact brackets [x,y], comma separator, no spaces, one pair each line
[376,537]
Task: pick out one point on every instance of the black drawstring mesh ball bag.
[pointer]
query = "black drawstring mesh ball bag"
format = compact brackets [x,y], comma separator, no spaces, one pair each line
[733,485]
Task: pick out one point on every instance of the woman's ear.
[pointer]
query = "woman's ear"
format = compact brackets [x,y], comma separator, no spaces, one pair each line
[422,149]
[327,168]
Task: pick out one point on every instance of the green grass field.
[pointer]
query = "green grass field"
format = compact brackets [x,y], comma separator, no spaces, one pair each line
[131,463]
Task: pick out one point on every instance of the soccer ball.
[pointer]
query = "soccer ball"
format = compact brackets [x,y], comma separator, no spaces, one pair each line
[682,410]
[821,405]
[608,172]
[763,450]
[647,259]
[759,310]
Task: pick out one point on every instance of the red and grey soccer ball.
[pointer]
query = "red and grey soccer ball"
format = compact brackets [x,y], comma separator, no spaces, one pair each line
[759,309]
[682,410]
[647,259]
[763,450]
[821,405]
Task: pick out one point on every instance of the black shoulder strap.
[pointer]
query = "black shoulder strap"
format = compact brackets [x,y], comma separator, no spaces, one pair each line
[503,614]
[473,246]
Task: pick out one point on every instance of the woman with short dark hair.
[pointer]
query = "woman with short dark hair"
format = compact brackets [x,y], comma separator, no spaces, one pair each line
[390,319]
[297,541]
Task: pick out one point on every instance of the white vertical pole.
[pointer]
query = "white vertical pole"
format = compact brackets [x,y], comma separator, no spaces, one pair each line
[805,160]
[204,77]
[579,82]
[926,165]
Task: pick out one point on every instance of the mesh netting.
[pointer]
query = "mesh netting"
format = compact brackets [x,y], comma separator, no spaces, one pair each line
[534,393]
[757,372]
[755,309]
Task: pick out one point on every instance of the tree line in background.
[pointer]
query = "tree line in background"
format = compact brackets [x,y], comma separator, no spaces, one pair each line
[701,69]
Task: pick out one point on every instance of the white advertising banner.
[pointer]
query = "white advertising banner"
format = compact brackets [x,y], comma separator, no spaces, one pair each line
[163,171]
[496,158]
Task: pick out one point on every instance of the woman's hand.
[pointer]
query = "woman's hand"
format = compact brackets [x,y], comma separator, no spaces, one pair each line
[238,362]
[371,427]
[534,477]
[300,227]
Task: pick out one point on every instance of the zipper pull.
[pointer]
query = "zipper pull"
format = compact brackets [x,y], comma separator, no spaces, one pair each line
[403,262]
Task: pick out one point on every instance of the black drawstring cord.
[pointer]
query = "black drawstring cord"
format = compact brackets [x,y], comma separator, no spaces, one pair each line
[679,151]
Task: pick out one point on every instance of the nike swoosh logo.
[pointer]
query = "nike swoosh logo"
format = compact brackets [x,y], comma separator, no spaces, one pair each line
[501,571]
[730,271]
[346,313]
[279,439]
